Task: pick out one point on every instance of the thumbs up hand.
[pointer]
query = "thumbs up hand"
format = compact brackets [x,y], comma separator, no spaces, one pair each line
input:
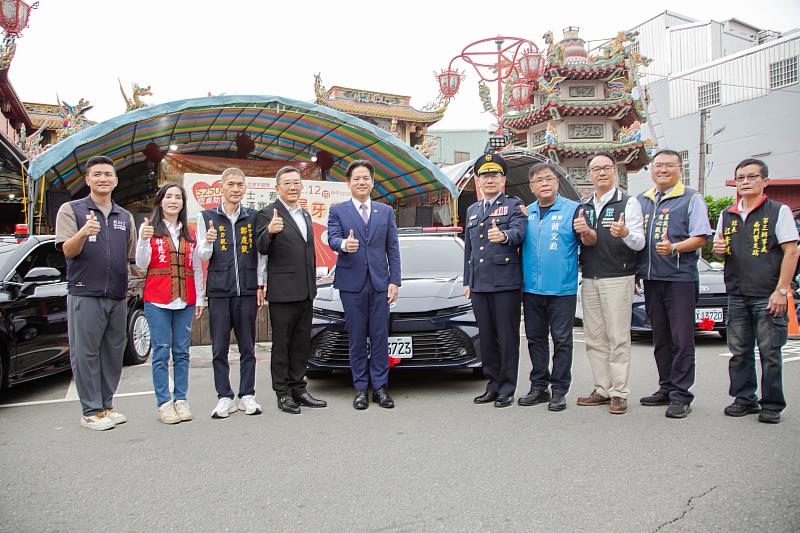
[147,231]
[719,247]
[579,224]
[618,227]
[495,235]
[276,224]
[351,243]
[92,226]
[664,247]
[211,233]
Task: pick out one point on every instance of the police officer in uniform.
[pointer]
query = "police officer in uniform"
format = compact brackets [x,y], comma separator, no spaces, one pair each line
[493,276]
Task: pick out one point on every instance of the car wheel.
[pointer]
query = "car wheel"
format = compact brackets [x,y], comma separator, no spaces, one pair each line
[138,348]
[319,374]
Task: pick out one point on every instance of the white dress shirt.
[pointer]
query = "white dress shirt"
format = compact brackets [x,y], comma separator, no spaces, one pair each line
[299,218]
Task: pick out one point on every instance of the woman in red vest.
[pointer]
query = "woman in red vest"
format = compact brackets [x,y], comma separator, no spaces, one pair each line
[168,253]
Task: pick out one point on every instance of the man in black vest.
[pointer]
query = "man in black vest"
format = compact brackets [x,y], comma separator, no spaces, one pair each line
[608,269]
[226,239]
[285,234]
[758,239]
[97,255]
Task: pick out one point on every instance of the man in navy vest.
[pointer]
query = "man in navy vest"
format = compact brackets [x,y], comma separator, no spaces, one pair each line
[557,227]
[364,234]
[676,226]
[98,239]
[758,239]
[226,239]
[607,289]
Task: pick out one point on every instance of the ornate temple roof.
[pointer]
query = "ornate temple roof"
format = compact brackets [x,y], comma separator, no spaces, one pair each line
[622,109]
[360,102]
[46,115]
[632,154]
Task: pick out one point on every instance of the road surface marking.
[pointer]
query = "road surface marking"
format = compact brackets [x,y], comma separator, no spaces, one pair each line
[65,400]
[72,391]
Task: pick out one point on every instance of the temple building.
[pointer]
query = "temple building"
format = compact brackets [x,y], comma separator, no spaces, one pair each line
[584,104]
[390,112]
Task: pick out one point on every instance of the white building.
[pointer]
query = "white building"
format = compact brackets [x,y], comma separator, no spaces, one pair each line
[744,79]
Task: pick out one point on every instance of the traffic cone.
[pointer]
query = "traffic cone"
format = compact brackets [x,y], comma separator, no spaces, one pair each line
[794,329]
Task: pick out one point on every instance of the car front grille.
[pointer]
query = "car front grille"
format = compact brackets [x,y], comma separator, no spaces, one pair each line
[430,347]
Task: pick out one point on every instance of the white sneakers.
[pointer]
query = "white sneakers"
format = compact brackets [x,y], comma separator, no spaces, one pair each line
[117,418]
[98,422]
[249,406]
[226,406]
[183,411]
[166,413]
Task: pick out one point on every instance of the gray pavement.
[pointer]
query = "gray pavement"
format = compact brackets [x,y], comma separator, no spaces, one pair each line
[436,462]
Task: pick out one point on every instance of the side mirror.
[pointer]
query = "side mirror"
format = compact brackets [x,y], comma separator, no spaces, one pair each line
[42,275]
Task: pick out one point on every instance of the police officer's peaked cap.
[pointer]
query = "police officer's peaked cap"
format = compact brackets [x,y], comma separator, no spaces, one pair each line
[490,162]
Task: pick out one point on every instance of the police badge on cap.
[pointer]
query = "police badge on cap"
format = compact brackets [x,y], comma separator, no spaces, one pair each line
[489,163]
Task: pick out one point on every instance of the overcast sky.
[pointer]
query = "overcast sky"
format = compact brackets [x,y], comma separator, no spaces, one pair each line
[188,48]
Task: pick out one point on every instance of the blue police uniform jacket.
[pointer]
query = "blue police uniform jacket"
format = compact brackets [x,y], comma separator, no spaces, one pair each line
[550,250]
[491,267]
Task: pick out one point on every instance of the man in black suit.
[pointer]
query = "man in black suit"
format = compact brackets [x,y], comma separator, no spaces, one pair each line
[285,234]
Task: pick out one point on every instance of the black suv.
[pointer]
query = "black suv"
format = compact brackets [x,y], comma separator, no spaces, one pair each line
[33,311]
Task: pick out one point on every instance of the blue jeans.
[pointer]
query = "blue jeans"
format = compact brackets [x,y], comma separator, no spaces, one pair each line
[170,329]
[750,323]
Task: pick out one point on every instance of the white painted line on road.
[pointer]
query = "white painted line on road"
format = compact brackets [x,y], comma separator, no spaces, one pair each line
[72,391]
[578,340]
[65,400]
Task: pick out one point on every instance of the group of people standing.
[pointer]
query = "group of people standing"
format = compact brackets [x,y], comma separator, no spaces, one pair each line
[516,257]
[246,251]
[533,253]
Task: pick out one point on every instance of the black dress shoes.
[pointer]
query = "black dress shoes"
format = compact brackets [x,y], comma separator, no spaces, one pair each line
[534,397]
[288,405]
[504,400]
[309,401]
[558,403]
[486,397]
[361,401]
[382,398]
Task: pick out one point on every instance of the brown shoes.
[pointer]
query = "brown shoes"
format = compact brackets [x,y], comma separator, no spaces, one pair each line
[593,399]
[619,406]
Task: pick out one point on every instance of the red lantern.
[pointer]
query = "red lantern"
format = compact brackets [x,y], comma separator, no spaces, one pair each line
[449,82]
[520,95]
[530,66]
[14,16]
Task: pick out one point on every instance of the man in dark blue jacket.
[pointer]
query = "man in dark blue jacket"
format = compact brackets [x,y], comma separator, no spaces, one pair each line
[493,277]
[364,234]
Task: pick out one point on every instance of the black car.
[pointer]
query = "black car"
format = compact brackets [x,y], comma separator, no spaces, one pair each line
[33,312]
[432,324]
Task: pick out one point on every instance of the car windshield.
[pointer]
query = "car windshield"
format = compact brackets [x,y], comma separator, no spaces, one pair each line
[6,249]
[431,257]
[704,266]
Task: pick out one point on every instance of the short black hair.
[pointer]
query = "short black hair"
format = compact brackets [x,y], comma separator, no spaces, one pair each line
[750,161]
[669,152]
[601,154]
[98,160]
[285,170]
[538,167]
[360,163]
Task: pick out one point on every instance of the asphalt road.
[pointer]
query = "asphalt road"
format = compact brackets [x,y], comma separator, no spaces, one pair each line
[436,462]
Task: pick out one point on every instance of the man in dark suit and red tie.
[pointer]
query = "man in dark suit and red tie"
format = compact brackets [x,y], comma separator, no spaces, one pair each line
[285,234]
[364,234]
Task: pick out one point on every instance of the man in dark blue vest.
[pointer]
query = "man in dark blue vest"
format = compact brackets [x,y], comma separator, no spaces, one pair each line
[98,239]
[226,239]
[758,239]
[676,226]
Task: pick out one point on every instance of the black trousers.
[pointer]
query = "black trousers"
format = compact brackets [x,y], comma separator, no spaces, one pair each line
[497,314]
[670,307]
[553,314]
[237,313]
[291,345]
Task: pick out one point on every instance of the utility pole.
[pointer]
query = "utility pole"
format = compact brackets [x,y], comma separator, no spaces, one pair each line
[701,170]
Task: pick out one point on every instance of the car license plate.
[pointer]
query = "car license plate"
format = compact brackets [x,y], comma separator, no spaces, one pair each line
[401,347]
[714,313]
